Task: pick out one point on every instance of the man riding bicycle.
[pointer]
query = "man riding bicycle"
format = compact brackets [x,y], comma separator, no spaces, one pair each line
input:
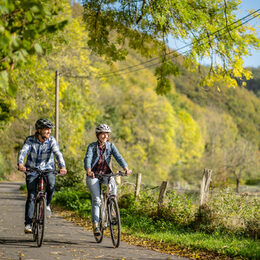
[97,160]
[40,149]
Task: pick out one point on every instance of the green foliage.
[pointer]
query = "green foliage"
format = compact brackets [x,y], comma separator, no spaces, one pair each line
[236,213]
[242,106]
[252,182]
[76,199]
[24,24]
[4,168]
[74,176]
[254,83]
[225,212]
[138,218]
[144,26]
[26,28]
[163,137]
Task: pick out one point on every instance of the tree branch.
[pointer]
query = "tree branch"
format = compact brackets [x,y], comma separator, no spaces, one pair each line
[142,12]
[225,10]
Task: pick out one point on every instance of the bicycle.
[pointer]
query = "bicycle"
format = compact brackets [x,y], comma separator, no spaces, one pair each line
[39,215]
[109,211]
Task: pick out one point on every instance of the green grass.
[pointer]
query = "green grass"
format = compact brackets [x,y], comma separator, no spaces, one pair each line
[219,243]
[139,226]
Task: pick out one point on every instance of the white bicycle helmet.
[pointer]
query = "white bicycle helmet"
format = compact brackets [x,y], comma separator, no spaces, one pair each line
[103,128]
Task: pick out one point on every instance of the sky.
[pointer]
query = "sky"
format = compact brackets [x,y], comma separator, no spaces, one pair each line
[254,60]
[245,6]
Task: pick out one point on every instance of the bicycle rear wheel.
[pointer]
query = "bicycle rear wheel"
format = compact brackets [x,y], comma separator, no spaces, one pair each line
[40,220]
[114,221]
[101,222]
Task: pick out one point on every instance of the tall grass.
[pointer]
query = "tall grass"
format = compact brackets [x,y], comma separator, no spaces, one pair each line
[229,224]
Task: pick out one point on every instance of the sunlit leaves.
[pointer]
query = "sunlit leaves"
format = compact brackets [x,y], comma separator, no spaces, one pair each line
[211,26]
[23,26]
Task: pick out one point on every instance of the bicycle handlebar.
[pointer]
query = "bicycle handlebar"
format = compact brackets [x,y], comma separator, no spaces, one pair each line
[112,174]
[42,171]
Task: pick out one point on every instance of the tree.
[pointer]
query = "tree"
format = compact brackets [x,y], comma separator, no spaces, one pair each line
[241,156]
[26,28]
[211,26]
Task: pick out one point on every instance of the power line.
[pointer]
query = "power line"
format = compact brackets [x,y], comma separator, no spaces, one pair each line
[177,55]
[126,70]
[187,45]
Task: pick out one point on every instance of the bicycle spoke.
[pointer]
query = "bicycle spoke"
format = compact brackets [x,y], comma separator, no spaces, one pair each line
[34,223]
[114,221]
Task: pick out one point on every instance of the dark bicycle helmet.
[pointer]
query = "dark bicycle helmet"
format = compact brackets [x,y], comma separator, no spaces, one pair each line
[43,123]
[103,128]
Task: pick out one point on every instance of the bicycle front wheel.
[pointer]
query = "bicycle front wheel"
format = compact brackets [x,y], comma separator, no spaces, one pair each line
[40,220]
[114,221]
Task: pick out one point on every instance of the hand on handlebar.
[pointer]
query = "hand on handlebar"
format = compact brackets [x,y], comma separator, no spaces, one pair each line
[21,167]
[91,174]
[128,172]
[62,171]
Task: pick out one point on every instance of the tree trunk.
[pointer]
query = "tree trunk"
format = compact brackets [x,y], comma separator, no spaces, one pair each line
[238,185]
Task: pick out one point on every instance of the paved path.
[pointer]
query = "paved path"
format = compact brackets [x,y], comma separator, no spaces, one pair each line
[63,240]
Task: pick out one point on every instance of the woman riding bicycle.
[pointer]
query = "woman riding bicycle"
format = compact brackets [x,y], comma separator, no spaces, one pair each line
[97,160]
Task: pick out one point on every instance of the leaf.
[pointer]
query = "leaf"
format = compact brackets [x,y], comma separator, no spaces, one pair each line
[4,79]
[28,16]
[35,9]
[12,90]
[38,48]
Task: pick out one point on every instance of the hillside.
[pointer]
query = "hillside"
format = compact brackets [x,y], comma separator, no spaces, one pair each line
[164,137]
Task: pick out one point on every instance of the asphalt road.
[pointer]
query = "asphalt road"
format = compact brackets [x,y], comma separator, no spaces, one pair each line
[63,239]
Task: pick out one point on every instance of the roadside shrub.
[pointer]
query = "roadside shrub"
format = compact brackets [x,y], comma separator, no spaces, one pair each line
[77,199]
[178,208]
[74,176]
[253,182]
[4,169]
[235,213]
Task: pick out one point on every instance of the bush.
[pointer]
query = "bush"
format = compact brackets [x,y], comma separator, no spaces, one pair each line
[253,182]
[4,168]
[74,176]
[77,199]
[225,211]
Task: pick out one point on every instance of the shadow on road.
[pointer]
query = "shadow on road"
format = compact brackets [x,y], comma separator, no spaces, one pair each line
[17,242]
[21,242]
[12,198]
[4,184]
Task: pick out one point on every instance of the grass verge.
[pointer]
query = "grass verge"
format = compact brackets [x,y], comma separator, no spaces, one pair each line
[159,235]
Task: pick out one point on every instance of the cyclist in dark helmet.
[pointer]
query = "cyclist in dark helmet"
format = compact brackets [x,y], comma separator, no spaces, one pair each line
[97,160]
[40,149]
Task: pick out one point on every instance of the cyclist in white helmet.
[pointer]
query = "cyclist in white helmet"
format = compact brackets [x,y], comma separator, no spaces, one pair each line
[97,160]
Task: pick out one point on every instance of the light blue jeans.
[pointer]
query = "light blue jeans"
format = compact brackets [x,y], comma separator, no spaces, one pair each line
[93,185]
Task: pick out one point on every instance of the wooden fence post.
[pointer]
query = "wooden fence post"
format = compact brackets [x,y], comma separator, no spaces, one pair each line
[138,184]
[204,190]
[162,193]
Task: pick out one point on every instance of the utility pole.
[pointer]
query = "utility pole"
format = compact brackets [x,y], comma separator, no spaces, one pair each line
[57,105]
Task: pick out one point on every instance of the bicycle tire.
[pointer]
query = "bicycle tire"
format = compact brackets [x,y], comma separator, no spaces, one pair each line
[41,220]
[114,221]
[34,224]
[101,222]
